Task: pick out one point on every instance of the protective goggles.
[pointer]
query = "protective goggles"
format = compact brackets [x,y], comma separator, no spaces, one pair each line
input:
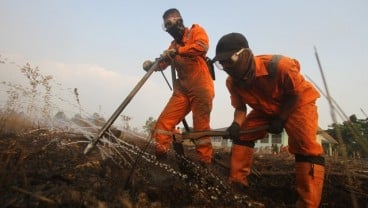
[229,62]
[170,22]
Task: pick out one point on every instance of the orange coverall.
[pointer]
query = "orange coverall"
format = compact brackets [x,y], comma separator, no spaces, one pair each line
[266,96]
[193,92]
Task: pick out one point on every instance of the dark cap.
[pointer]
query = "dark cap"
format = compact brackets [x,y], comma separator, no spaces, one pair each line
[229,44]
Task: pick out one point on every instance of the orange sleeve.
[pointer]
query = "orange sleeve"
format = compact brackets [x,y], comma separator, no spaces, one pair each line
[235,98]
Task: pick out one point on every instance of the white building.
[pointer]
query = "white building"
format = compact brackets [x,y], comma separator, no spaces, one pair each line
[281,140]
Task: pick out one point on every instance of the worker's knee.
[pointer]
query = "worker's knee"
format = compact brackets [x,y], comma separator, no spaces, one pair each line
[319,160]
[244,143]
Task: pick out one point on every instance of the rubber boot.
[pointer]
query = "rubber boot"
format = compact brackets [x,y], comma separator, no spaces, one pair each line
[240,164]
[309,184]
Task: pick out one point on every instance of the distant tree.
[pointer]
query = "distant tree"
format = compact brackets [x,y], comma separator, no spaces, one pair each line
[77,116]
[126,120]
[148,126]
[136,129]
[60,116]
[60,120]
[97,120]
[77,119]
[354,134]
[364,125]
[353,118]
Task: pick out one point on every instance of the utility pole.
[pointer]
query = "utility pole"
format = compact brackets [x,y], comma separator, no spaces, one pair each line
[338,131]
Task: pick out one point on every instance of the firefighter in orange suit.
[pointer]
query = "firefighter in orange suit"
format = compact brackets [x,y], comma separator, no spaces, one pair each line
[193,89]
[281,98]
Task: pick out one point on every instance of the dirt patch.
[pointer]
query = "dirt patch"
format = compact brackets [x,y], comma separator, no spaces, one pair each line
[49,169]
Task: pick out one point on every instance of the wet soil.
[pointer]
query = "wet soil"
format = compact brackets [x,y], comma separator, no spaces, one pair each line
[41,168]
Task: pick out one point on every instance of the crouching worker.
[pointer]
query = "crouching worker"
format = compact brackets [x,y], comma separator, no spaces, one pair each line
[281,98]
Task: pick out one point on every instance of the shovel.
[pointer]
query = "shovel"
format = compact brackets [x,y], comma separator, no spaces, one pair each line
[195,135]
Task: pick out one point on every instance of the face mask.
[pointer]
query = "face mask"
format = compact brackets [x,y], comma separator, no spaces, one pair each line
[243,70]
[176,30]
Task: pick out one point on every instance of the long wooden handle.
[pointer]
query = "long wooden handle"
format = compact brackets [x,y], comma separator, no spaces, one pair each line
[199,134]
[120,109]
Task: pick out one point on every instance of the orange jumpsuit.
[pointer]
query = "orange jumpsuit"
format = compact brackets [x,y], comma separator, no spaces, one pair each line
[266,96]
[193,92]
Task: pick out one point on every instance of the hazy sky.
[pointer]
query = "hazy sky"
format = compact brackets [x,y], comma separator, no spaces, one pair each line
[98,47]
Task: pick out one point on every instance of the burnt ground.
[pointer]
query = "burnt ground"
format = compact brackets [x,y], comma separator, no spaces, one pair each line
[49,169]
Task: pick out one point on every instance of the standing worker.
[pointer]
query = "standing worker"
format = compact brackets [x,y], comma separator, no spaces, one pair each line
[193,89]
[280,97]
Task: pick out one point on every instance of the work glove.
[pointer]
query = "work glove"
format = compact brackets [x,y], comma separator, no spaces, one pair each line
[276,125]
[234,131]
[168,54]
[147,64]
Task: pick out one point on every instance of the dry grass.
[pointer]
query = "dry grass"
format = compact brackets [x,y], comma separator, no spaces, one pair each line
[13,123]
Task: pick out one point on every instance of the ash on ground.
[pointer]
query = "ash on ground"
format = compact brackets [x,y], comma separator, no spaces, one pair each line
[49,169]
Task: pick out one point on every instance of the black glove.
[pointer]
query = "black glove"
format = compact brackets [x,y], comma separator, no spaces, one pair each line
[276,125]
[234,131]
